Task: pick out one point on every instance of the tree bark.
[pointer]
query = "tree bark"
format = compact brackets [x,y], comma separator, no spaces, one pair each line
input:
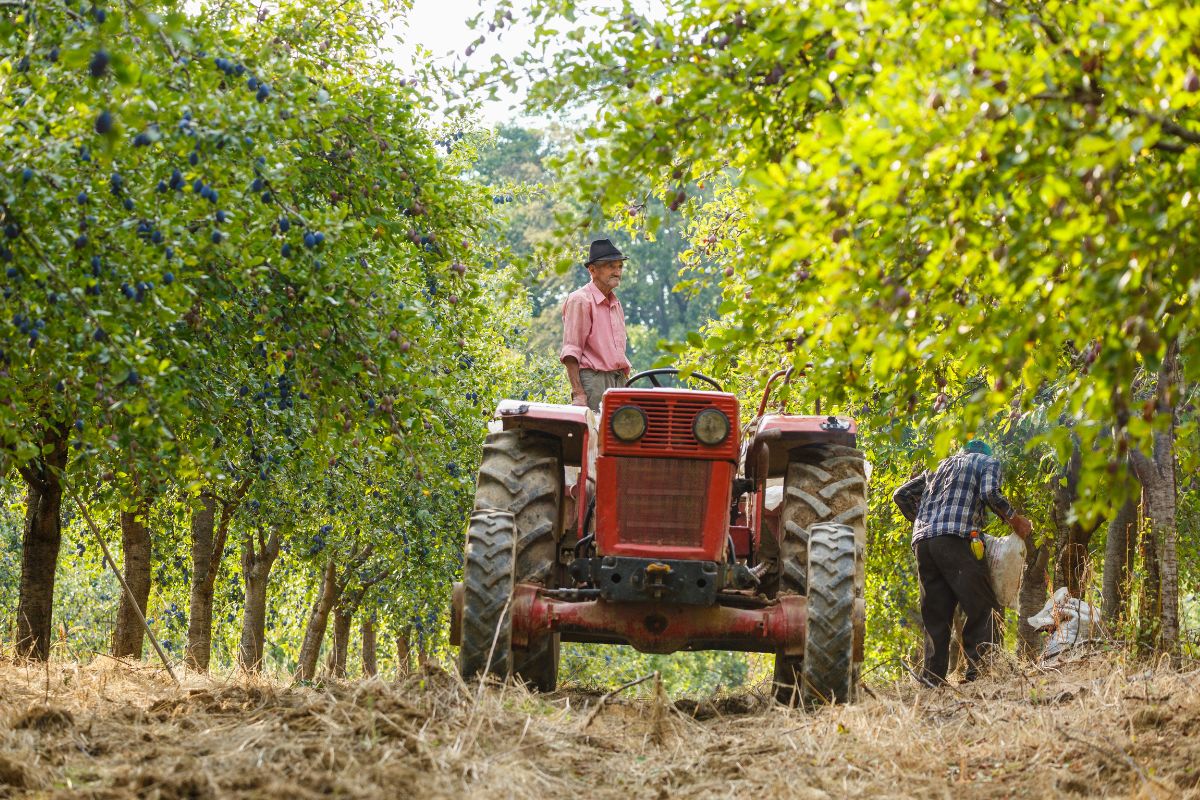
[1164,500]
[1031,600]
[1160,506]
[329,598]
[1149,607]
[422,651]
[403,656]
[1073,565]
[40,542]
[335,662]
[1115,589]
[256,571]
[369,666]
[204,572]
[208,551]
[128,636]
[318,620]
[1131,555]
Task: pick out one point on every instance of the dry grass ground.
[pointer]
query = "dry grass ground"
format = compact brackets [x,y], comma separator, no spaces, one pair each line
[1096,727]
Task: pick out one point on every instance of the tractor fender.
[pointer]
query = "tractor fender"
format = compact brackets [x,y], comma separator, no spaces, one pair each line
[776,435]
[577,428]
[574,425]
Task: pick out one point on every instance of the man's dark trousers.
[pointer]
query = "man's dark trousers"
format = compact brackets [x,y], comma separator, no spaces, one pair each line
[951,576]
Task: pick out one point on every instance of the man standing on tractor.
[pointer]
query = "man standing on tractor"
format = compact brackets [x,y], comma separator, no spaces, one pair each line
[594,338]
[948,508]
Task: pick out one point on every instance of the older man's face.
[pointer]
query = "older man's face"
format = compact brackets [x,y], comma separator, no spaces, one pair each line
[606,274]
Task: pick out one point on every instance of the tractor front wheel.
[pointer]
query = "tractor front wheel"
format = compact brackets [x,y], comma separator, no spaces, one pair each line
[826,672]
[486,647]
[522,474]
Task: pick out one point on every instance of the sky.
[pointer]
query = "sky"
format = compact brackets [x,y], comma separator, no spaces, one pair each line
[440,26]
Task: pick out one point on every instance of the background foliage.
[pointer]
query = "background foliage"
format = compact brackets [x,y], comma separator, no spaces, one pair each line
[241,258]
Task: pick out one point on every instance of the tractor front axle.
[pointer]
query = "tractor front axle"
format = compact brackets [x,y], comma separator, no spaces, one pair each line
[656,627]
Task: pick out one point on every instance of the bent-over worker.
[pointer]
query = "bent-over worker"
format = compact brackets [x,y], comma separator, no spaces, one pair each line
[948,509]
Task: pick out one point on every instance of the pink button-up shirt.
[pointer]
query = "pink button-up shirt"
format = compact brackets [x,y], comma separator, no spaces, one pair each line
[594,330]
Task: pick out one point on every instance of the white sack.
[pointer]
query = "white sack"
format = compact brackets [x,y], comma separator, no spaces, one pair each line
[1071,621]
[773,498]
[1006,563]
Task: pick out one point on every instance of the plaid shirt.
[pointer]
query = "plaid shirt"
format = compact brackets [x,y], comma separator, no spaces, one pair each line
[950,500]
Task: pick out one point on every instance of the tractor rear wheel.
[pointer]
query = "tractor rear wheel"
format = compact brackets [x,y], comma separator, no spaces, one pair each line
[826,673]
[522,474]
[824,484]
[486,647]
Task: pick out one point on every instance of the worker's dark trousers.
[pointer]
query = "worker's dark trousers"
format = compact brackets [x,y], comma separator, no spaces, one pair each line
[952,576]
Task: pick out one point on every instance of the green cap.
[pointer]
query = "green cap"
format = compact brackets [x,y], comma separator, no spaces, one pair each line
[978,446]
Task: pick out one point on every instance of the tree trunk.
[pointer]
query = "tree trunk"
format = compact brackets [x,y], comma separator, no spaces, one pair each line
[129,634]
[318,619]
[256,570]
[1076,559]
[1131,556]
[204,572]
[1160,516]
[1159,617]
[1115,589]
[403,656]
[1031,600]
[1164,500]
[1072,565]
[335,662]
[332,589]
[208,550]
[1149,607]
[369,666]
[40,541]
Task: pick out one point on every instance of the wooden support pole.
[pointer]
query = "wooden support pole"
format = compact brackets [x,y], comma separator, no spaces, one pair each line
[129,592]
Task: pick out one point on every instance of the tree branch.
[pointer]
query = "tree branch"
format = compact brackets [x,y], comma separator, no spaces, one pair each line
[1169,127]
[273,544]
[1141,466]
[34,479]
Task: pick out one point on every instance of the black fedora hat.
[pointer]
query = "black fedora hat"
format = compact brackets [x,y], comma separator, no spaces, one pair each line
[603,250]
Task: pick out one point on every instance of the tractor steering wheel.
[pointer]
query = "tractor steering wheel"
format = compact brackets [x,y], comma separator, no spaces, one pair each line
[651,375]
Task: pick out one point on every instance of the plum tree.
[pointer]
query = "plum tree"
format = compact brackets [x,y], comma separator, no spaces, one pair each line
[975,195]
[128,376]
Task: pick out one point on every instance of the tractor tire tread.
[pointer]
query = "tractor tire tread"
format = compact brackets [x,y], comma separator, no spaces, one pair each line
[812,500]
[827,669]
[487,588]
[816,472]
[831,490]
[521,472]
[824,483]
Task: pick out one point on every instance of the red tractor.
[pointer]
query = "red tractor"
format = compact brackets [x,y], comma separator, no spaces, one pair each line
[667,527]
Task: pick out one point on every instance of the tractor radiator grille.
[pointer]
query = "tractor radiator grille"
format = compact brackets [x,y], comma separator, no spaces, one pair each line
[669,419]
[662,500]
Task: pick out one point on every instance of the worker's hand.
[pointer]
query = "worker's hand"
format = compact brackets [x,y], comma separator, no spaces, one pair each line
[579,398]
[1021,526]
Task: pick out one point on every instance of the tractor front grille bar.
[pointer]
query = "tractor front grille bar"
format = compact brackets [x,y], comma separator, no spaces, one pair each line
[662,500]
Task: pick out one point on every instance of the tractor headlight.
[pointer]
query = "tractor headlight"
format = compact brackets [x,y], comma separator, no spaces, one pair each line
[711,426]
[629,423]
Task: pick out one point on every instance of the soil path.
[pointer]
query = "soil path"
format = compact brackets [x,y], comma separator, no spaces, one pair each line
[1093,728]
